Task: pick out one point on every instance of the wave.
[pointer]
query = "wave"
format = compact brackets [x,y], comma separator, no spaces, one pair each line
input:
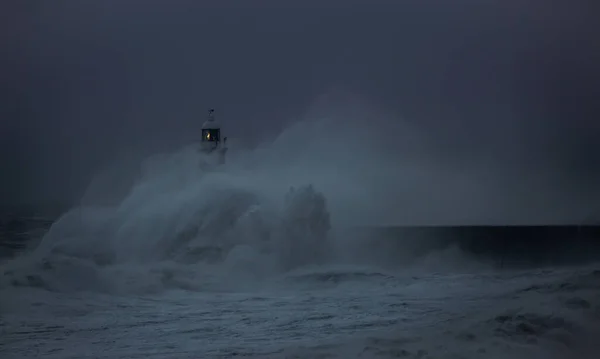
[283,205]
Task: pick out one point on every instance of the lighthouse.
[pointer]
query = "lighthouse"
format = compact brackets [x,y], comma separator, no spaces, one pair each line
[211,143]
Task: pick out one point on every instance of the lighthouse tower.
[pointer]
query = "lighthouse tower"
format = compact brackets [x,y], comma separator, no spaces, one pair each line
[211,142]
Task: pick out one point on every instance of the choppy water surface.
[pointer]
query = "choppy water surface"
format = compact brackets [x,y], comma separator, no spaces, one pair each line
[318,314]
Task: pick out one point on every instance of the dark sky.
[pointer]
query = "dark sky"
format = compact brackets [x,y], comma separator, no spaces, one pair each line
[85,81]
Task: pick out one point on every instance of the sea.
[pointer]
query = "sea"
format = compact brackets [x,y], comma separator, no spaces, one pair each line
[264,259]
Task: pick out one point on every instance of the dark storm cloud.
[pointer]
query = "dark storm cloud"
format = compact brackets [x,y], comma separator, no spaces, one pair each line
[88,81]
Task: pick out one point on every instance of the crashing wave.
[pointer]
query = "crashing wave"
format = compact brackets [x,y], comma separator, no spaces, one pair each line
[227,225]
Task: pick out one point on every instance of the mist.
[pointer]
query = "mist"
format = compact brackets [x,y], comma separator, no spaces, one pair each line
[502,95]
